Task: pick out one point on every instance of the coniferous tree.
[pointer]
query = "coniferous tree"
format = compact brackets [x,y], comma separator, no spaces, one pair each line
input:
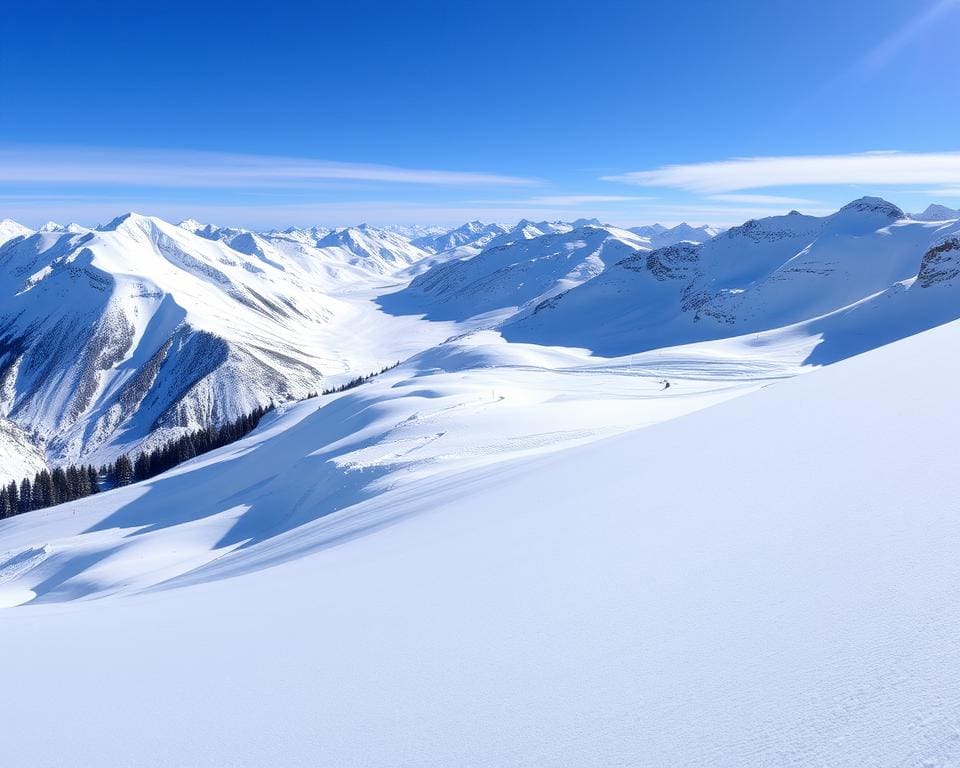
[123,470]
[13,498]
[26,495]
[73,483]
[4,503]
[60,488]
[47,494]
[141,467]
[81,482]
[94,479]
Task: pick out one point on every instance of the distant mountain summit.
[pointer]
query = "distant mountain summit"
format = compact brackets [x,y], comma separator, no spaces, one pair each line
[936,212]
[661,236]
[473,233]
[865,266]
[517,268]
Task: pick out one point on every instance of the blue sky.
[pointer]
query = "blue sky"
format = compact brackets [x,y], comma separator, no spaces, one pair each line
[280,113]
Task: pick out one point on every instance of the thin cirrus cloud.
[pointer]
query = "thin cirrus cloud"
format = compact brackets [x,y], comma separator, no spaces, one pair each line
[198,169]
[745,173]
[762,199]
[574,200]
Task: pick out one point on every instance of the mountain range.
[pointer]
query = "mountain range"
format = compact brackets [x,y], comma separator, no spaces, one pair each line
[117,338]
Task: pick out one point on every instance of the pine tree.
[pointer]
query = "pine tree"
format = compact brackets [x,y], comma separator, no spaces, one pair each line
[141,467]
[94,478]
[4,503]
[81,481]
[26,495]
[123,470]
[13,498]
[41,493]
[60,488]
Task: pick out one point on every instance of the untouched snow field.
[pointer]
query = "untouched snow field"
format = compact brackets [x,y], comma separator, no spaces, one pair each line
[770,581]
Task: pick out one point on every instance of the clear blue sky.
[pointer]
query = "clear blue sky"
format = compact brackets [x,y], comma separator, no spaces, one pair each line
[293,112]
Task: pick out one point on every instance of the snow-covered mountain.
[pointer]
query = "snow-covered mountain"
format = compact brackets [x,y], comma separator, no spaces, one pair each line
[370,250]
[416,231]
[210,231]
[338,257]
[129,334]
[376,250]
[525,269]
[937,212]
[309,235]
[474,234]
[10,229]
[528,230]
[661,236]
[142,329]
[865,267]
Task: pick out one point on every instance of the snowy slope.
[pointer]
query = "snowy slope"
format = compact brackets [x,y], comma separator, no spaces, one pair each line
[766,274]
[472,401]
[504,278]
[19,455]
[770,581]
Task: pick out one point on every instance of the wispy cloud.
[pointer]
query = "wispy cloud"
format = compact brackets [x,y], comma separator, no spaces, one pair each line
[762,199]
[869,168]
[214,170]
[575,200]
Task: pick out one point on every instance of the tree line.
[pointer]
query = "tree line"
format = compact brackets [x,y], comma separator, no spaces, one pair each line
[74,482]
[353,382]
[48,488]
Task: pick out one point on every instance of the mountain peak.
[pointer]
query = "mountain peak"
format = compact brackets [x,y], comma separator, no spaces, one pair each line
[873,205]
[937,212]
[131,217]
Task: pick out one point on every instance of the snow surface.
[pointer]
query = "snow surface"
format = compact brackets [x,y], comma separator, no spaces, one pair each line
[769,581]
[19,456]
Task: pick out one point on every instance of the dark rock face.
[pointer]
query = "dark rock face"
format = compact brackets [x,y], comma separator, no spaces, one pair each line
[941,263]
